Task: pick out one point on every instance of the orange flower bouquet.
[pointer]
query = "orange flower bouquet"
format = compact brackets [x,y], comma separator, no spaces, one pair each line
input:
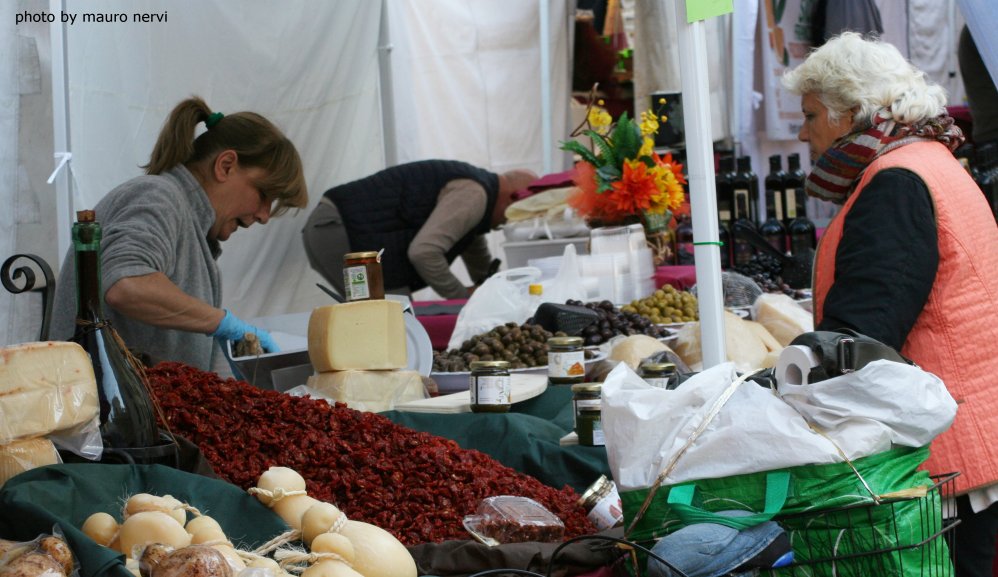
[622,178]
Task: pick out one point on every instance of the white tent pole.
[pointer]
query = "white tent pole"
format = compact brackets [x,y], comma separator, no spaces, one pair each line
[700,166]
[546,116]
[387,88]
[60,130]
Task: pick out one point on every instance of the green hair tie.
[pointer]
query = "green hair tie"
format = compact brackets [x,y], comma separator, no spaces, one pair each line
[213,119]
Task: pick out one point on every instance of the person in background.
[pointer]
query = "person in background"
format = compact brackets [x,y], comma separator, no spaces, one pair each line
[162,232]
[423,214]
[911,258]
[832,17]
[982,96]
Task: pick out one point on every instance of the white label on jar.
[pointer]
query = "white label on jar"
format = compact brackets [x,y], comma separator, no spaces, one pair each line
[658,382]
[581,405]
[599,438]
[567,364]
[608,512]
[355,283]
[490,390]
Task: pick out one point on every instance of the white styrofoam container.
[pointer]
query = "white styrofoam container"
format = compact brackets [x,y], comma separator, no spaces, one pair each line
[518,254]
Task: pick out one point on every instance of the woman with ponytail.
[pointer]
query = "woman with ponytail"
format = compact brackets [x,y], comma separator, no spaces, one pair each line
[163,232]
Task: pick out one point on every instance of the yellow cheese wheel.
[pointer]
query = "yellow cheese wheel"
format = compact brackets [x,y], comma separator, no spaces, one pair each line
[364,335]
[101,527]
[20,456]
[45,387]
[201,522]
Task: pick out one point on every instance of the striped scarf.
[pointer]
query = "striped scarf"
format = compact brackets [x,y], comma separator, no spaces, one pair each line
[834,176]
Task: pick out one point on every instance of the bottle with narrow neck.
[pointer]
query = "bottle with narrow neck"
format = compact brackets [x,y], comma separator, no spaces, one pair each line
[684,241]
[725,173]
[802,232]
[745,190]
[127,415]
[794,197]
[773,229]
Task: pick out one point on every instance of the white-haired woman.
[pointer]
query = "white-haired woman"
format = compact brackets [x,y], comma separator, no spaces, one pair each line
[912,257]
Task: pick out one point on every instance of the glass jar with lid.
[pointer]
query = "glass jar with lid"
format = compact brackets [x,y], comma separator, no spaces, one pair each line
[588,414]
[490,387]
[362,277]
[602,504]
[566,361]
[661,375]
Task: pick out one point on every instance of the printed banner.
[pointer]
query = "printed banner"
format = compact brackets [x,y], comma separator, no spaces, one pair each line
[786,26]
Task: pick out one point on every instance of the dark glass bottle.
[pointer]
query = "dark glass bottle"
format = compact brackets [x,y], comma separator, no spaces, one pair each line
[127,416]
[773,229]
[794,198]
[724,235]
[803,235]
[741,188]
[745,184]
[684,241]
[725,173]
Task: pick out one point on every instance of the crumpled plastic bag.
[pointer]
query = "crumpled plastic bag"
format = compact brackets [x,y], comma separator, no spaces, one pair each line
[504,297]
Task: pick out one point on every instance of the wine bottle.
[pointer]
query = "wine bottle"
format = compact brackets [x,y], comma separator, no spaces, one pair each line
[746,184]
[684,241]
[773,229]
[793,189]
[723,185]
[803,234]
[127,415]
[724,236]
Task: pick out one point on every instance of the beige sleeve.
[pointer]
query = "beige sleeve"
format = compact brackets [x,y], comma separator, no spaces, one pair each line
[460,207]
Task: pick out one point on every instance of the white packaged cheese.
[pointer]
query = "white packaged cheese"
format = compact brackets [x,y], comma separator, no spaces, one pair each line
[373,391]
[21,456]
[744,346]
[363,335]
[45,387]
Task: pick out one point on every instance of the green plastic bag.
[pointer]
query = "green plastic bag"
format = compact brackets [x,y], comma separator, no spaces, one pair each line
[65,495]
[826,510]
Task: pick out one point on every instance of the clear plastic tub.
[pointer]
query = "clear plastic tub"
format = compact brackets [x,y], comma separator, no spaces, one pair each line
[510,519]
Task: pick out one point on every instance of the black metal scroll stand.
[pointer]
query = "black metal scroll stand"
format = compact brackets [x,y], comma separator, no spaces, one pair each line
[7,277]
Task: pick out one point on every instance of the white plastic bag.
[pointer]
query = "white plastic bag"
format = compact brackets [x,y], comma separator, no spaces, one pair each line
[504,297]
[567,284]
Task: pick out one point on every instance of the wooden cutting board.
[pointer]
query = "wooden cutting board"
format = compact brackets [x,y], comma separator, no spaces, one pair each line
[523,387]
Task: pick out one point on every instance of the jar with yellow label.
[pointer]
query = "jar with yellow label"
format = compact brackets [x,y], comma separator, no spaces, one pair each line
[362,277]
[490,387]
[588,414]
[660,375]
[566,361]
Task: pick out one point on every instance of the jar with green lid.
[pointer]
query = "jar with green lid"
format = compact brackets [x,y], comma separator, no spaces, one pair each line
[602,504]
[660,375]
[588,414]
[566,361]
[490,387]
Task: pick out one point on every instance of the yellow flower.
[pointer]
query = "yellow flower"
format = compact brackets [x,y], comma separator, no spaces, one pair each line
[647,147]
[649,123]
[599,120]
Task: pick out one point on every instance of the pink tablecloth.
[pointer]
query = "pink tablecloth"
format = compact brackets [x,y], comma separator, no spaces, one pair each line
[439,323]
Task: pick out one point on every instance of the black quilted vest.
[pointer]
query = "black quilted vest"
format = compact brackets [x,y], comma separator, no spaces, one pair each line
[387,209]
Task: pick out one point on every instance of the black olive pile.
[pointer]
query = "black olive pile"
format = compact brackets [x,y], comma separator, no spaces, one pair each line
[612,322]
[522,345]
[765,270]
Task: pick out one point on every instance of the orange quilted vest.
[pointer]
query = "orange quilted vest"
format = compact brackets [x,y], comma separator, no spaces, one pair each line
[956,335]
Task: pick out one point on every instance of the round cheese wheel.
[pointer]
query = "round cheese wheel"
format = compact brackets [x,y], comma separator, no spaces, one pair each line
[147,527]
[101,527]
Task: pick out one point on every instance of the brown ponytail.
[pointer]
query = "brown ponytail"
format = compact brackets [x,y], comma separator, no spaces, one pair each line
[257,142]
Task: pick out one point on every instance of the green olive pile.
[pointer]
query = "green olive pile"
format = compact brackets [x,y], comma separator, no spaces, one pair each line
[522,345]
[613,321]
[666,305]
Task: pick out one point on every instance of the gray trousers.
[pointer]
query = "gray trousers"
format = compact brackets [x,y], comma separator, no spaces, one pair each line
[326,242]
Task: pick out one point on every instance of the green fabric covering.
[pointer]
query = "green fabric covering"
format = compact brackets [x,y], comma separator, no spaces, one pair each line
[526,439]
[65,495]
[813,514]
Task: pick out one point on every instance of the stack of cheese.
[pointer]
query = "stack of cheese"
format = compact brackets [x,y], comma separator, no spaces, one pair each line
[748,344]
[44,388]
[782,317]
[357,350]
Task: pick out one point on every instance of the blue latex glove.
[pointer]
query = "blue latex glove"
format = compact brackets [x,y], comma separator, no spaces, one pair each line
[232,328]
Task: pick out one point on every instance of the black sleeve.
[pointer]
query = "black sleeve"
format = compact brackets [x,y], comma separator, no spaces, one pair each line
[886,261]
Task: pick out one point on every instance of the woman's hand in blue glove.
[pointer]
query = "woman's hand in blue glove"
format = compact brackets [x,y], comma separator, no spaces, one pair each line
[234,329]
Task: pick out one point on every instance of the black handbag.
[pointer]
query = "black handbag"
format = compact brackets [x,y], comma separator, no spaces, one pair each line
[844,351]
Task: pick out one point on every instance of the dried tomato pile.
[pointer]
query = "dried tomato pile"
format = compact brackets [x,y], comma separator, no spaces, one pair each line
[415,485]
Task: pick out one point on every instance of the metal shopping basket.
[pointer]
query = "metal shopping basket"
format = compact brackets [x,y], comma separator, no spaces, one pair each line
[897,537]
